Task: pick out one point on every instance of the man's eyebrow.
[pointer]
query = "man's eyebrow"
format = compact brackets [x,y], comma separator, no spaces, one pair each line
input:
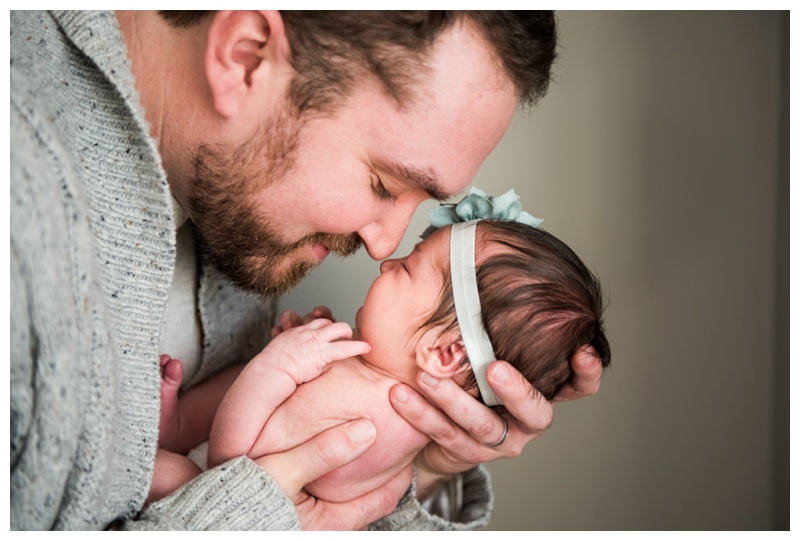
[425,179]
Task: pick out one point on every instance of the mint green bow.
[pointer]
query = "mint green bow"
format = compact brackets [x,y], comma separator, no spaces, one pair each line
[479,205]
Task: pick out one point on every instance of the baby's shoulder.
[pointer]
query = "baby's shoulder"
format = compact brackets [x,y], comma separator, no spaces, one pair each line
[348,387]
[342,393]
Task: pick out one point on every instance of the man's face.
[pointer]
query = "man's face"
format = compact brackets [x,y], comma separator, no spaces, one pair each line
[274,207]
[247,248]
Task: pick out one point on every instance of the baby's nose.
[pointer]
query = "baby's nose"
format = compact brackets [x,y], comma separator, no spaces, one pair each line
[387,265]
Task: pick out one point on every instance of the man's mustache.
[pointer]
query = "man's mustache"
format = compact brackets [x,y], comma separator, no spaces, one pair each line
[341,245]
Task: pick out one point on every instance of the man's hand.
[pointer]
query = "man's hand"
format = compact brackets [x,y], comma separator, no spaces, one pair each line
[463,429]
[340,445]
[586,381]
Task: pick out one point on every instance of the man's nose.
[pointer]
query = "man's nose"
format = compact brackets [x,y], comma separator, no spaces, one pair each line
[381,240]
[383,236]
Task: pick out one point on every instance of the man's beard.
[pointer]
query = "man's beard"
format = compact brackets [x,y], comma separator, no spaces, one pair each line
[227,225]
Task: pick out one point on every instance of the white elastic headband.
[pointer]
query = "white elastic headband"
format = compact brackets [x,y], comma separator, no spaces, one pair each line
[468,306]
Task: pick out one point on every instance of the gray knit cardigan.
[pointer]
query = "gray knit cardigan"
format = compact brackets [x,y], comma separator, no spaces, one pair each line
[92,257]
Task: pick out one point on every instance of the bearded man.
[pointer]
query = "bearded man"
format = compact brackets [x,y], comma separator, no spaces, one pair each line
[164,167]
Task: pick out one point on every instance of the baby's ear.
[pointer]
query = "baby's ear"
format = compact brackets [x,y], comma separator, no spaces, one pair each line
[441,357]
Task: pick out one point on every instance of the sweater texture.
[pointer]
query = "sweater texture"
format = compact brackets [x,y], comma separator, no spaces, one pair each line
[92,257]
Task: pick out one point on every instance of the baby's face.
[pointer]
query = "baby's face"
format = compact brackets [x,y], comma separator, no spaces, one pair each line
[400,300]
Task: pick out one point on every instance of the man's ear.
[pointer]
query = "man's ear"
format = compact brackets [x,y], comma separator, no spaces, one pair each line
[443,356]
[247,54]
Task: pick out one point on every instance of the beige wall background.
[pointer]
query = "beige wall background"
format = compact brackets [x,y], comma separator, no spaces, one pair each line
[661,156]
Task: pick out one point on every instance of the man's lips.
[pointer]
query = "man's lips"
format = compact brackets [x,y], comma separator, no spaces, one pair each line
[320,251]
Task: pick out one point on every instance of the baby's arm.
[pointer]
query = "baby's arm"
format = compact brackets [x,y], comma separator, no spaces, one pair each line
[293,357]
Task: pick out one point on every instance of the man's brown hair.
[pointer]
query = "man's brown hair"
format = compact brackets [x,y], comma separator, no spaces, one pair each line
[332,50]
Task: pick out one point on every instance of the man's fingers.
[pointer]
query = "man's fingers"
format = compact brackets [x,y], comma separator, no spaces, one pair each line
[465,427]
[531,411]
[588,371]
[460,447]
[421,415]
[480,422]
[340,445]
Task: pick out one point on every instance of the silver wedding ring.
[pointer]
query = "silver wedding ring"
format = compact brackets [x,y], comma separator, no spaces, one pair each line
[503,437]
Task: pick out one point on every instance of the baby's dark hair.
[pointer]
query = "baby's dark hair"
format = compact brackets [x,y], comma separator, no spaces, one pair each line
[539,303]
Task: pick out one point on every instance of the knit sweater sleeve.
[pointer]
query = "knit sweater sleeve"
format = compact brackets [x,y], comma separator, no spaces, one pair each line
[237,495]
[470,513]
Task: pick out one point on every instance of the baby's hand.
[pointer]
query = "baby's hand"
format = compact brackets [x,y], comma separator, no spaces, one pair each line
[293,357]
[288,319]
[303,351]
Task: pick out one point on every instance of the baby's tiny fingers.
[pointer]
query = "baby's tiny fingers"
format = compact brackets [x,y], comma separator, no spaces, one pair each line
[323,312]
[348,348]
[288,319]
[316,324]
[333,331]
